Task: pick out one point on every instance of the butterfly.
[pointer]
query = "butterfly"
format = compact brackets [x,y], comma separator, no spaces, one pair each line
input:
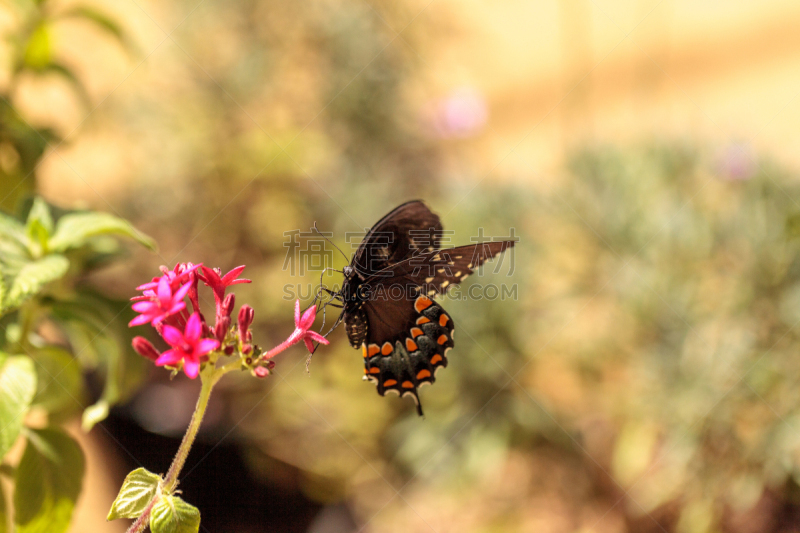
[387,297]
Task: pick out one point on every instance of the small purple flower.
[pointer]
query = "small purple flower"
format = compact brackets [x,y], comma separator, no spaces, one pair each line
[187,346]
[161,304]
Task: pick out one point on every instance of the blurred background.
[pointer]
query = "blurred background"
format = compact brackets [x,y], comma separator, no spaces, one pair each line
[643,376]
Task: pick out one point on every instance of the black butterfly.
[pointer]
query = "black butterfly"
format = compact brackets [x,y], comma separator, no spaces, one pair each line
[387,297]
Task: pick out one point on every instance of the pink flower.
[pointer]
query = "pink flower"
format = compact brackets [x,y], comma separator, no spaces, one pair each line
[186,346]
[218,283]
[302,331]
[176,277]
[161,304]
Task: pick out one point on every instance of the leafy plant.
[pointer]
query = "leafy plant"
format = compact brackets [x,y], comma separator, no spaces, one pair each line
[55,331]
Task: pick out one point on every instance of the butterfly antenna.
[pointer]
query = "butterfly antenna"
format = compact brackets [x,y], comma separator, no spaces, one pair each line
[330,241]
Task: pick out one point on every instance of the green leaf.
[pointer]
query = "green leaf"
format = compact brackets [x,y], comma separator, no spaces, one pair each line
[75,229]
[137,491]
[173,515]
[48,482]
[11,228]
[39,226]
[39,50]
[94,414]
[60,384]
[40,212]
[17,387]
[33,277]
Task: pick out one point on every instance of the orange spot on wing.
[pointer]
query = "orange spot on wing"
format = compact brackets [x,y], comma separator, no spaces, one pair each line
[408,385]
[374,370]
[442,319]
[364,350]
[386,349]
[435,359]
[423,320]
[422,303]
[390,382]
[373,349]
[442,339]
[411,346]
[416,332]
[422,374]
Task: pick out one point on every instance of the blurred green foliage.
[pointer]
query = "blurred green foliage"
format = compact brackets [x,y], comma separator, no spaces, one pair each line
[57,332]
[62,351]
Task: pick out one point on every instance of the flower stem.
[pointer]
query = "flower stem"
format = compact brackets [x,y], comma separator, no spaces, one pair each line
[171,479]
[209,377]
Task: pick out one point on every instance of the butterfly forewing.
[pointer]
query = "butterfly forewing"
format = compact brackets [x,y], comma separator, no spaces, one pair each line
[436,272]
[408,229]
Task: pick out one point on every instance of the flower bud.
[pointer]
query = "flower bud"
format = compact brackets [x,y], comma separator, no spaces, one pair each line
[229,350]
[261,371]
[227,305]
[246,315]
[144,348]
[247,348]
[221,328]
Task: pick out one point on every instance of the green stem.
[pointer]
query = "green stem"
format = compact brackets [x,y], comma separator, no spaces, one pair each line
[171,479]
[209,377]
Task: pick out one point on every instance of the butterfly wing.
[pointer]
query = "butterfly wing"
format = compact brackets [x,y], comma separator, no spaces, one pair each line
[408,229]
[401,359]
[403,334]
[435,272]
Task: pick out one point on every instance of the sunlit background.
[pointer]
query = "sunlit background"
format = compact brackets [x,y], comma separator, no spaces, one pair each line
[643,377]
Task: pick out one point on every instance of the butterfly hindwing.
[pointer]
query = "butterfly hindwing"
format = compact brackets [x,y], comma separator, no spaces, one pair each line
[406,364]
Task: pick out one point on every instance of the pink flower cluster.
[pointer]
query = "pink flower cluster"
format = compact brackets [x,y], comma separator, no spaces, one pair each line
[192,341]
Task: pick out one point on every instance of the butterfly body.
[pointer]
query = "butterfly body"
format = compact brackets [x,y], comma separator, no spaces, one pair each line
[387,295]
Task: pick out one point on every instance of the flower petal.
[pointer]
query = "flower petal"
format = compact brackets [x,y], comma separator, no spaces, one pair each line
[144,307]
[172,335]
[309,345]
[297,313]
[170,357]
[164,291]
[307,320]
[180,294]
[191,368]
[205,346]
[209,277]
[139,320]
[175,308]
[228,278]
[317,337]
[194,328]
